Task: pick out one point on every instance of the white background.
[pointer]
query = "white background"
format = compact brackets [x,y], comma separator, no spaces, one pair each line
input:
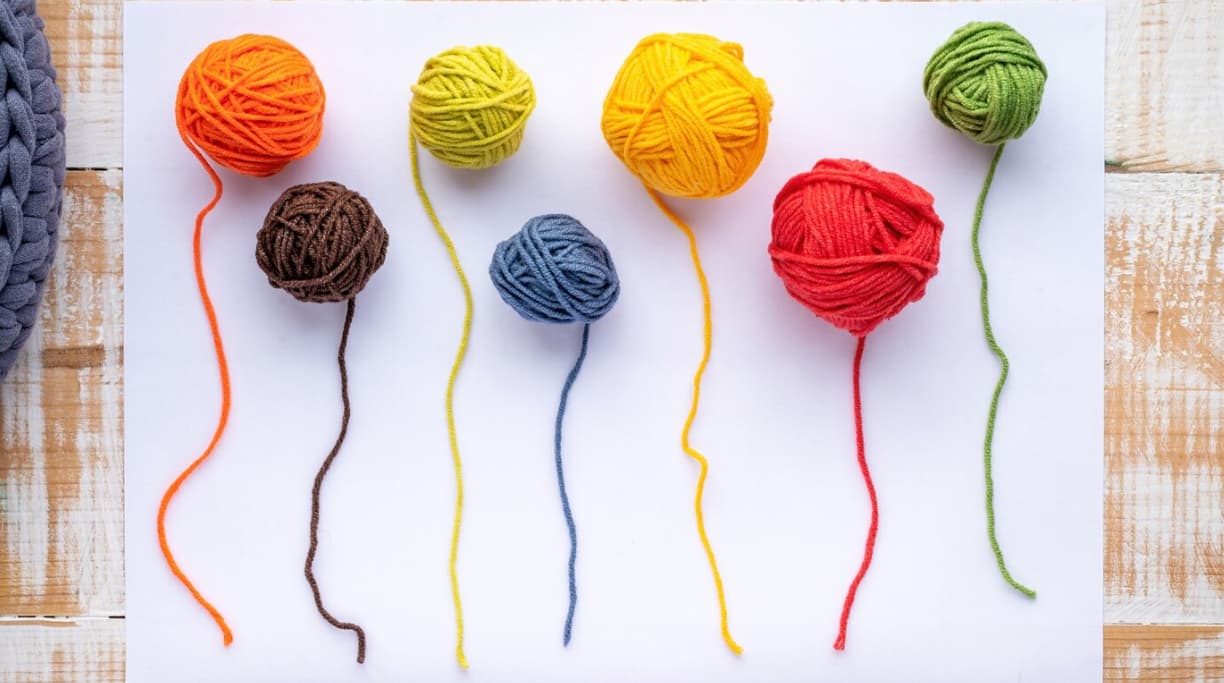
[785,503]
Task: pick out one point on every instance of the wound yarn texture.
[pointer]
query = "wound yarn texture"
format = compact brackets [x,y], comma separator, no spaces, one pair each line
[322,242]
[686,116]
[855,245]
[555,270]
[688,119]
[32,190]
[254,104]
[987,82]
[469,109]
[470,106]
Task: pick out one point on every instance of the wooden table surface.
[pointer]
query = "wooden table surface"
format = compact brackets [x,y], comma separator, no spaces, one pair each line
[61,408]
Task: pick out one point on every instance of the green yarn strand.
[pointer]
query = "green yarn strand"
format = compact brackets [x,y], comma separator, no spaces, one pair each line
[994,399]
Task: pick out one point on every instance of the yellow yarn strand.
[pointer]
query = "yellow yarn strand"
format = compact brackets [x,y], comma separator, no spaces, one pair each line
[450,396]
[707,334]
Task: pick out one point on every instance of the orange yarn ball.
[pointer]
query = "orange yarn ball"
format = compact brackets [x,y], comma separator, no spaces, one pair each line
[252,103]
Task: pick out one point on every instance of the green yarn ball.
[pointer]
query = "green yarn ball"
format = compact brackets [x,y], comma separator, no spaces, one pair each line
[986,81]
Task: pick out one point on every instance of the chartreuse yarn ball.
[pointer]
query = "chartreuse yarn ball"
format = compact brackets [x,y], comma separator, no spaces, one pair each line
[470,106]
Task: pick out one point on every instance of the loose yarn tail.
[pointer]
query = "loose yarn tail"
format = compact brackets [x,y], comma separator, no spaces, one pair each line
[869,549]
[318,486]
[565,506]
[227,636]
[688,423]
[450,395]
[994,399]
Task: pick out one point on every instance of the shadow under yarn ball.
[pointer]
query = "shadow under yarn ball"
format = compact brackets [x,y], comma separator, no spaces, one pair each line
[470,106]
[555,270]
[321,242]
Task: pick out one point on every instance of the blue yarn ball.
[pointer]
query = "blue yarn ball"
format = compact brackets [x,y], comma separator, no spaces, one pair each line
[554,270]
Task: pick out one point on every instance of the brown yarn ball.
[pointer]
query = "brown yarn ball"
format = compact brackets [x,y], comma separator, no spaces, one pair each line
[321,242]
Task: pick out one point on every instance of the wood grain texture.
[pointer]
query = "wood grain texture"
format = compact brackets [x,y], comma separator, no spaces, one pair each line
[1164,653]
[61,442]
[87,49]
[1164,85]
[55,651]
[61,482]
[1164,397]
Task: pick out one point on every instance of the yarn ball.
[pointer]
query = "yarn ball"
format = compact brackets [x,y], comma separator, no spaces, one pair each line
[470,106]
[321,242]
[686,116]
[555,270]
[32,183]
[252,103]
[854,244]
[986,82]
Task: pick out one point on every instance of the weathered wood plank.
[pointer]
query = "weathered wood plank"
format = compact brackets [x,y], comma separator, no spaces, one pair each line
[1164,492]
[87,45]
[61,441]
[1164,87]
[1190,654]
[85,651]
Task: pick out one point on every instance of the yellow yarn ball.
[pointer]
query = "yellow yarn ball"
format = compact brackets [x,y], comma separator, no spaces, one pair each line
[686,116]
[470,106]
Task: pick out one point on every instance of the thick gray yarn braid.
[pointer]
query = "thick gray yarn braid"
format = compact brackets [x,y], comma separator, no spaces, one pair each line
[31,172]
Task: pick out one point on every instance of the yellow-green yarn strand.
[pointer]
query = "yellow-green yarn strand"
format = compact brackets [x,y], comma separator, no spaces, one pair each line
[707,337]
[450,395]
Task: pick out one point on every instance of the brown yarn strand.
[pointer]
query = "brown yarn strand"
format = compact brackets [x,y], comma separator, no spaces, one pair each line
[322,242]
[318,485]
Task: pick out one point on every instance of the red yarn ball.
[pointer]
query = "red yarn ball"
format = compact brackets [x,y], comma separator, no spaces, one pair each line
[853,243]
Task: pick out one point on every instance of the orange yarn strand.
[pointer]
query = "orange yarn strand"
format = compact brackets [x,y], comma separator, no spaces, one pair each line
[253,104]
[227,635]
[707,335]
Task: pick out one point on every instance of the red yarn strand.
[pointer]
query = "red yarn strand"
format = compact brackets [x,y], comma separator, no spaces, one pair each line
[227,635]
[869,549]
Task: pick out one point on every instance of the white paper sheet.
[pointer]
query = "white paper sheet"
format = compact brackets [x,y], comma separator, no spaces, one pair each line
[785,504]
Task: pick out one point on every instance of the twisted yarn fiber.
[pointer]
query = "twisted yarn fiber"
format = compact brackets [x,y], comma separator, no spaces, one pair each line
[986,81]
[252,103]
[854,244]
[688,119]
[32,167]
[686,116]
[554,270]
[470,106]
[321,242]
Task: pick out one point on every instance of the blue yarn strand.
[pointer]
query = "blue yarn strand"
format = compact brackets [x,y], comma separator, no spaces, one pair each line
[565,506]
